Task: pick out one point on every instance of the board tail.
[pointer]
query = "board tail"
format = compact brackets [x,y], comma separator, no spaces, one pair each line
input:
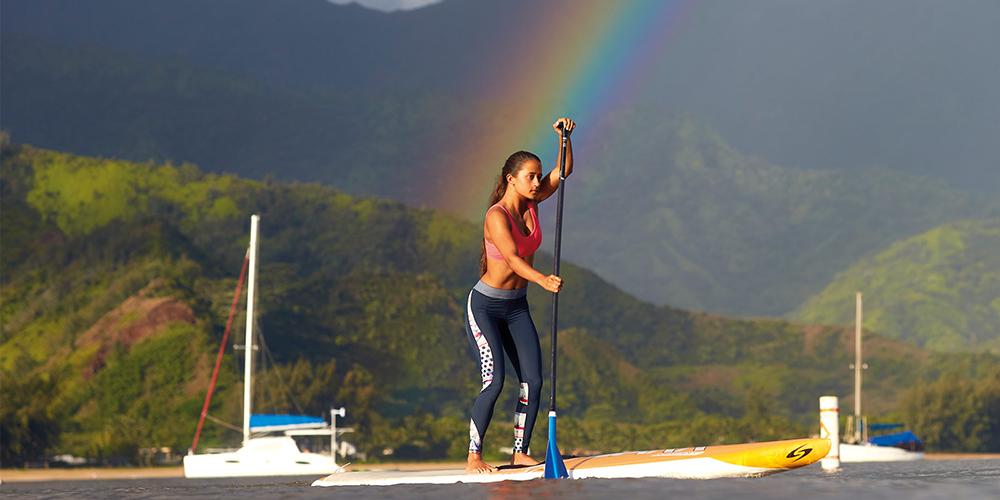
[555,468]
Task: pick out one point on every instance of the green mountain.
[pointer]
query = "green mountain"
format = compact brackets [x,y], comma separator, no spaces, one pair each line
[940,289]
[117,280]
[672,214]
[667,210]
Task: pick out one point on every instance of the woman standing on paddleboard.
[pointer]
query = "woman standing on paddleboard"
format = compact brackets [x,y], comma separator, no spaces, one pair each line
[497,317]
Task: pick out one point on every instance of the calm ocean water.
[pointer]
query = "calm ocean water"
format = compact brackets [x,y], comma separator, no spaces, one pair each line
[952,479]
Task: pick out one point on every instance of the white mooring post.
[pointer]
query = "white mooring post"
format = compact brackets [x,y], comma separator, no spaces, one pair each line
[333,430]
[829,428]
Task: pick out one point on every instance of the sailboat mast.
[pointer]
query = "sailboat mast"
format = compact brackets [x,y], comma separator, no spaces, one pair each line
[857,371]
[248,352]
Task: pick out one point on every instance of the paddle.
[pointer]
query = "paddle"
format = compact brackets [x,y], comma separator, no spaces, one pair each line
[554,466]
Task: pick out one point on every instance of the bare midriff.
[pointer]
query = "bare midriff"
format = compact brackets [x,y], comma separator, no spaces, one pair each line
[499,274]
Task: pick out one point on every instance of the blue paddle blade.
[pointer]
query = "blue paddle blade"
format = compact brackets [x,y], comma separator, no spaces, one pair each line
[555,468]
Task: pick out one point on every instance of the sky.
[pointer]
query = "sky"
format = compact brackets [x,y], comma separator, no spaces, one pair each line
[388,5]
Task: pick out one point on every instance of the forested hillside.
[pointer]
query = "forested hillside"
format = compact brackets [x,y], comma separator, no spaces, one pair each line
[940,289]
[706,227]
[671,213]
[117,279]
[115,263]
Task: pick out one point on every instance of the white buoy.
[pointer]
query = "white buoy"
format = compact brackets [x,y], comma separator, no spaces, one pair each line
[829,428]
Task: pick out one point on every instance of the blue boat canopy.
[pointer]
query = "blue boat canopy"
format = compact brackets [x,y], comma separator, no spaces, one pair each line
[275,423]
[895,439]
[884,427]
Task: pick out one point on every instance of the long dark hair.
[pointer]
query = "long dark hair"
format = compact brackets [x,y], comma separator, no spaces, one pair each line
[511,167]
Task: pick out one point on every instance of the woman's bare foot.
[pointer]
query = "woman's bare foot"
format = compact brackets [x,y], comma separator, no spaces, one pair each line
[523,459]
[475,465]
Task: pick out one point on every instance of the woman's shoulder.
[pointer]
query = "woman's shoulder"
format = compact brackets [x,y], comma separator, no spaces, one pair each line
[533,209]
[497,209]
[496,213]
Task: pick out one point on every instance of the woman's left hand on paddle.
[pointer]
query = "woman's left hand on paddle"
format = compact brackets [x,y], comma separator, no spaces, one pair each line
[568,124]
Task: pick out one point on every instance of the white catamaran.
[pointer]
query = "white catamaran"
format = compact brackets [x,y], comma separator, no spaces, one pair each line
[860,447]
[268,446]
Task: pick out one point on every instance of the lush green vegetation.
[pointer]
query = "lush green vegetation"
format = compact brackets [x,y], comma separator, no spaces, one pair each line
[940,289]
[329,277]
[117,280]
[960,410]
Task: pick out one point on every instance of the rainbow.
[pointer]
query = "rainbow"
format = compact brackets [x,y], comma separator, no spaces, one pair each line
[581,59]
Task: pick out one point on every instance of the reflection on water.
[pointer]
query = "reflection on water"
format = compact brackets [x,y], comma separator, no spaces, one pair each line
[955,479]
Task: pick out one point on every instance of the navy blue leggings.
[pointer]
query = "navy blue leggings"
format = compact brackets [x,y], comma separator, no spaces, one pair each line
[498,321]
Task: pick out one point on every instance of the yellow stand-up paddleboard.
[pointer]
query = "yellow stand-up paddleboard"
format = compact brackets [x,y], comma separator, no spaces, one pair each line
[702,462]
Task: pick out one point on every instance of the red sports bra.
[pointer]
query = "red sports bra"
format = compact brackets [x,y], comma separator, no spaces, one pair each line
[526,245]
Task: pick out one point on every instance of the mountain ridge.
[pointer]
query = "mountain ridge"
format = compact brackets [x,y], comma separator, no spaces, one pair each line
[721,232]
[686,247]
[712,229]
[902,85]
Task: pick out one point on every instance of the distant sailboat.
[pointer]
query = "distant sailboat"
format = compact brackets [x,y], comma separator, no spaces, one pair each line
[268,446]
[898,447]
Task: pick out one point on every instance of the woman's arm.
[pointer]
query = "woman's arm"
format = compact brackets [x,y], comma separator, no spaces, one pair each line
[499,228]
[551,182]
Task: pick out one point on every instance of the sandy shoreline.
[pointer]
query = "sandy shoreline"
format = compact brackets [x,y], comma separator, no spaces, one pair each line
[962,456]
[81,474]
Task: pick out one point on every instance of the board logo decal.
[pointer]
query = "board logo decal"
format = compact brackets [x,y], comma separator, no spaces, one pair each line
[799,453]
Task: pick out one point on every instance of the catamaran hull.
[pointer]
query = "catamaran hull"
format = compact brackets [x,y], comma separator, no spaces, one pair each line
[224,465]
[851,453]
[743,460]
[268,456]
